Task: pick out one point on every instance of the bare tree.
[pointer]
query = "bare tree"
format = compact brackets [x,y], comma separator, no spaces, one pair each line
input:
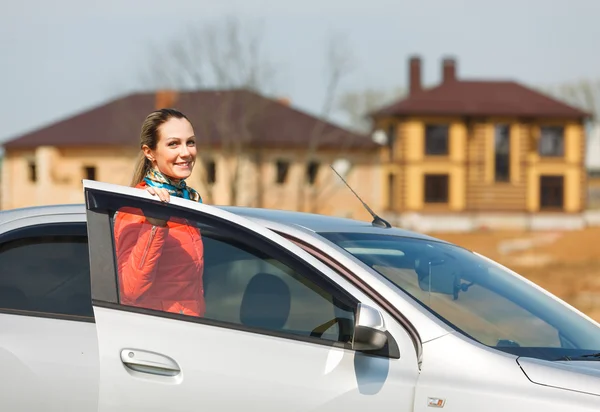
[224,56]
[357,104]
[339,65]
[584,94]
[228,55]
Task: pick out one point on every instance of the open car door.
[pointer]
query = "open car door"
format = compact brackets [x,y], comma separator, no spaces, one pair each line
[277,329]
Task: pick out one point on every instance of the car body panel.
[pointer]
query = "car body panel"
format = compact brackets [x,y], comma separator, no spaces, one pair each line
[473,377]
[62,361]
[225,367]
[47,364]
[579,376]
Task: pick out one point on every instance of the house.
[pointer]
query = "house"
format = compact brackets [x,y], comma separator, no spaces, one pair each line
[252,151]
[593,165]
[480,146]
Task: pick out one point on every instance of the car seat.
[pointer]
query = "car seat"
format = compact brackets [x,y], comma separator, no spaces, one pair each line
[266,302]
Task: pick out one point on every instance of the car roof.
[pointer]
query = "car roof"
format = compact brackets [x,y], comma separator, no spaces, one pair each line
[321,223]
[309,221]
[11,215]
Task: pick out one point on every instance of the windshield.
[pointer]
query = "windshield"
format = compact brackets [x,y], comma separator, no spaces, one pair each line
[477,297]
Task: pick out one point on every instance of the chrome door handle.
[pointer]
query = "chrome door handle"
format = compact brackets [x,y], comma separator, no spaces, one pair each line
[149,362]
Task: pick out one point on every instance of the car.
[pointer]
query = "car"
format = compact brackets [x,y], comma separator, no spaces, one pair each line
[303,312]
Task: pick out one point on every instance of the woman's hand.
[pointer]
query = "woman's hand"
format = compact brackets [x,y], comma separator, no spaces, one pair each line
[162,194]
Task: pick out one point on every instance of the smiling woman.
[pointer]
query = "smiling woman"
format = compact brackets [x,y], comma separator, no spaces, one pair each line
[161,263]
[168,155]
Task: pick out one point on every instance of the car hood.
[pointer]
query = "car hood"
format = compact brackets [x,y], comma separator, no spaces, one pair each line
[578,376]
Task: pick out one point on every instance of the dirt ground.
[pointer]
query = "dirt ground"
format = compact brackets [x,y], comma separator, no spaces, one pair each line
[565,263]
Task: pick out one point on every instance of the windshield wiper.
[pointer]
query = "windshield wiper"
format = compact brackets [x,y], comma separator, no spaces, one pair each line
[588,357]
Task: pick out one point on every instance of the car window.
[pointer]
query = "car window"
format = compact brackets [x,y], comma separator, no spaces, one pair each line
[240,284]
[46,274]
[475,296]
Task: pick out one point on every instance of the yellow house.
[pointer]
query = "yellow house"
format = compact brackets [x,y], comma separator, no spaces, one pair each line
[480,146]
[253,151]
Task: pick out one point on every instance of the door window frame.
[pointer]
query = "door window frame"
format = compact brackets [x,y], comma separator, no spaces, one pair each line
[41,230]
[100,209]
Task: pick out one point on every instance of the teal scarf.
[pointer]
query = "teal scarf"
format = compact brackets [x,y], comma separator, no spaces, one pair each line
[156,179]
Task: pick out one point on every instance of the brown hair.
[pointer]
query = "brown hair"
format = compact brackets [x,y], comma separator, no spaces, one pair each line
[149,137]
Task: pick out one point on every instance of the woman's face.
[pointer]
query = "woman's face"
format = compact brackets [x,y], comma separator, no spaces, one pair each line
[175,153]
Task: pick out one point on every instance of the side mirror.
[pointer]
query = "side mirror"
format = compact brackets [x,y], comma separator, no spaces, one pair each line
[369,329]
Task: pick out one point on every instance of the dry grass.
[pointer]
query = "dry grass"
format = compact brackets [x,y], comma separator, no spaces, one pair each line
[568,263]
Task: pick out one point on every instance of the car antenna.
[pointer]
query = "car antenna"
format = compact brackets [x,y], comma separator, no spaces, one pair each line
[377,221]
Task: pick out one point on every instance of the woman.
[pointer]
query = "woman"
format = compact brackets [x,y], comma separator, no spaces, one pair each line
[161,263]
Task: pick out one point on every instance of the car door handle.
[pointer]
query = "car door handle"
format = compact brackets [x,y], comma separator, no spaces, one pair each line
[149,362]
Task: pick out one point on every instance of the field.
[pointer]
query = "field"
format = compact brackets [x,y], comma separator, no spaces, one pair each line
[566,263]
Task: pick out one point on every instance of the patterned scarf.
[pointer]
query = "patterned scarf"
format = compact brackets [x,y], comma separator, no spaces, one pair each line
[155,178]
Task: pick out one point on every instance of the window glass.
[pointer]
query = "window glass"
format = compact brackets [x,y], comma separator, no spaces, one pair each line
[391,191]
[90,172]
[48,274]
[551,141]
[475,296]
[312,170]
[282,168]
[391,141]
[200,270]
[502,153]
[211,171]
[436,139]
[551,191]
[436,188]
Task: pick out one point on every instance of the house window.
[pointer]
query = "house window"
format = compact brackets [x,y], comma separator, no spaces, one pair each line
[552,141]
[436,188]
[312,171]
[436,139]
[32,171]
[89,172]
[210,167]
[391,191]
[391,141]
[502,153]
[282,168]
[551,192]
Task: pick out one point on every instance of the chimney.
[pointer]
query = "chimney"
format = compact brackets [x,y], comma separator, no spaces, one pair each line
[414,80]
[165,99]
[284,101]
[448,70]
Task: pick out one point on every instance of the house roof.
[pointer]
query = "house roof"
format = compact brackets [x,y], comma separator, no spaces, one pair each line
[217,116]
[481,98]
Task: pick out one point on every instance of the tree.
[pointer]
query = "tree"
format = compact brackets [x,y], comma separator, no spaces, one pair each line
[227,55]
[356,105]
[584,94]
[339,65]
[224,55]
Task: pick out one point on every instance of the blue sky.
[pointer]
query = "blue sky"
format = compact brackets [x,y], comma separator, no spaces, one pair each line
[61,57]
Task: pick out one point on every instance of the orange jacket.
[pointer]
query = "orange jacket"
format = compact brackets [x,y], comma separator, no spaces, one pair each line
[160,268]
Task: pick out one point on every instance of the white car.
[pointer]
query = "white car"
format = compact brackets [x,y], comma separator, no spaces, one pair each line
[303,312]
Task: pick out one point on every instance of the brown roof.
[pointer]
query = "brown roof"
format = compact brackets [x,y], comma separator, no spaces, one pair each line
[456,97]
[216,116]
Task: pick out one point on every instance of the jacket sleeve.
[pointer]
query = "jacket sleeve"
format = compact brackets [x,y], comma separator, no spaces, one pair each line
[139,246]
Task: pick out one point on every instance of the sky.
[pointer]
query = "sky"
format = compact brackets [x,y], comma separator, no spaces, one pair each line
[61,57]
